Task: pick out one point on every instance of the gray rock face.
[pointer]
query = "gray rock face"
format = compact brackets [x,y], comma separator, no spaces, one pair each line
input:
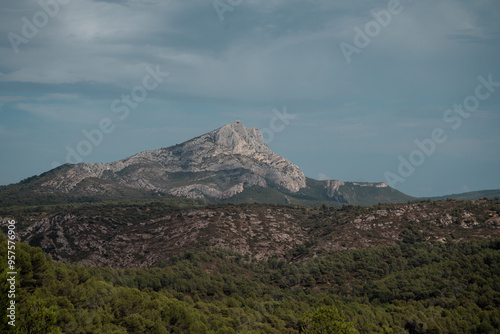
[221,164]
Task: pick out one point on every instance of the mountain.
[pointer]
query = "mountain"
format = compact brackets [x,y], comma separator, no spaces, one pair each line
[231,164]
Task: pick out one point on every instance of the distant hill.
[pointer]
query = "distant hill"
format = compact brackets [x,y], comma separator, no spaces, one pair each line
[229,164]
[330,192]
[471,196]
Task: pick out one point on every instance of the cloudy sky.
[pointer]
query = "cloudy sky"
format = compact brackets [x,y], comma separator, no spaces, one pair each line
[362,82]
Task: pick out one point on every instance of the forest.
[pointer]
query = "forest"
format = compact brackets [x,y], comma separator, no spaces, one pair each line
[411,287]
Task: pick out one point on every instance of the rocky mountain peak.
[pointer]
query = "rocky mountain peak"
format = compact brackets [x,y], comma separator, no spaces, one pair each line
[218,164]
[240,139]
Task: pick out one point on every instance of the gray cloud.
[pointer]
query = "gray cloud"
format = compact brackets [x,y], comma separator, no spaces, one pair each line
[264,54]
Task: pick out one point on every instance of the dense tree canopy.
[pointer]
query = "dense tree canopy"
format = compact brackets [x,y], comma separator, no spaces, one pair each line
[413,287]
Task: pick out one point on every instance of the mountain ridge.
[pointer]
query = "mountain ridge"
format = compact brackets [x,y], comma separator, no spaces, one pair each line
[141,234]
[227,164]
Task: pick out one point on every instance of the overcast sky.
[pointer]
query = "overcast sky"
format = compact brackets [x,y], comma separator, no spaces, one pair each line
[360,91]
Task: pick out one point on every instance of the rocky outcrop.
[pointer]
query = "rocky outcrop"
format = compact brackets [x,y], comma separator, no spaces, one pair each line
[370,184]
[197,168]
[332,187]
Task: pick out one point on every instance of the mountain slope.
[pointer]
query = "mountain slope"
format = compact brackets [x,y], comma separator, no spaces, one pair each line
[231,163]
[143,234]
